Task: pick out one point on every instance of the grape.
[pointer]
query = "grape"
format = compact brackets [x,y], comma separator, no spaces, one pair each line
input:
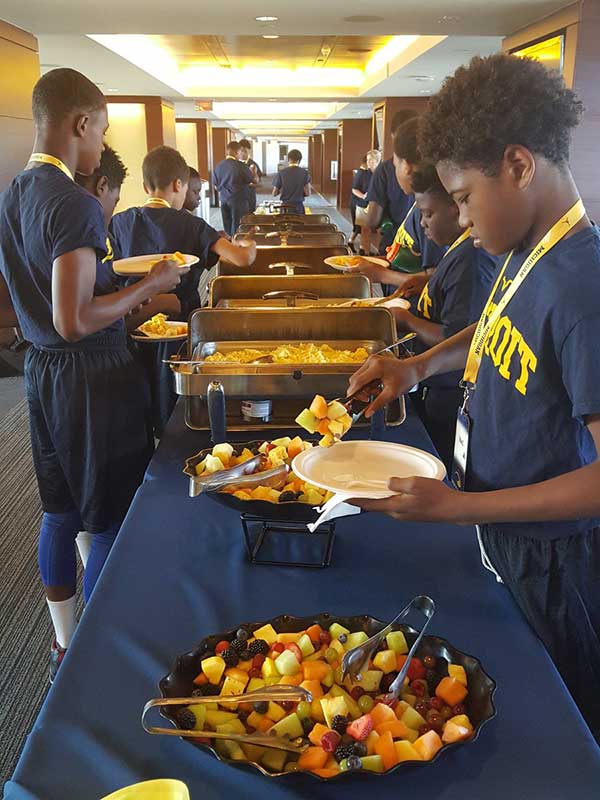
[365,703]
[303,709]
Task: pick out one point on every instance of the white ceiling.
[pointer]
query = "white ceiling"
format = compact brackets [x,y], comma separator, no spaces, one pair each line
[476,17]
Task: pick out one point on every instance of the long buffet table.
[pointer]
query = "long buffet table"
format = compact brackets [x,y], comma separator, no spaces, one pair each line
[178,571]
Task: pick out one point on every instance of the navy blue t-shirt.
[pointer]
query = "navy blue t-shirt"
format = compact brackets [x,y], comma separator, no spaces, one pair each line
[454,297]
[385,190]
[361,181]
[43,215]
[431,253]
[232,179]
[291,182]
[148,230]
[539,378]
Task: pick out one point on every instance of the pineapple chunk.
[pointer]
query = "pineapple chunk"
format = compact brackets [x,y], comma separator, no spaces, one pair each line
[213,464]
[213,667]
[335,409]
[223,452]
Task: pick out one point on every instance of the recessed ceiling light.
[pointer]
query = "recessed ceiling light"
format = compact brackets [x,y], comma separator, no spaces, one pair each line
[113,90]
[424,91]
[448,18]
[421,78]
[270,36]
[266,19]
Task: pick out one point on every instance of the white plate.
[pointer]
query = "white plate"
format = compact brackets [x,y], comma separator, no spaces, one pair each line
[157,337]
[394,302]
[363,468]
[331,262]
[141,265]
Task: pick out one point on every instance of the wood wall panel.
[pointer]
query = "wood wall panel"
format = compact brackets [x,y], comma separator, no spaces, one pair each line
[204,143]
[391,106]
[330,153]
[220,139]
[19,70]
[317,169]
[355,139]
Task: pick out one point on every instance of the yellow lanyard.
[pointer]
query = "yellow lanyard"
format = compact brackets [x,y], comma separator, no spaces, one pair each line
[403,223]
[486,324]
[464,235]
[157,201]
[44,158]
[109,251]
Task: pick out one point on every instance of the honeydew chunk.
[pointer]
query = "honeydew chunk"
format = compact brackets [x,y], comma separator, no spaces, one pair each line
[235,726]
[354,639]
[335,629]
[254,684]
[223,452]
[412,719]
[305,645]
[287,663]
[288,726]
[216,717]
[253,752]
[396,641]
[283,441]
[230,749]
[372,763]
[200,467]
[213,464]
[307,420]
[335,409]
[274,760]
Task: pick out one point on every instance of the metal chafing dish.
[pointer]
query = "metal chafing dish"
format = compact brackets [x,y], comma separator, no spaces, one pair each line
[270,227]
[297,219]
[288,261]
[274,394]
[286,238]
[291,291]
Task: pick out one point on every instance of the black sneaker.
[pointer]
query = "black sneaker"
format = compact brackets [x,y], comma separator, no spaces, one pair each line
[57,654]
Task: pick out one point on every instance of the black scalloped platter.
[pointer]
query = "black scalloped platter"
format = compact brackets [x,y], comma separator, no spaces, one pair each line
[282,512]
[479,702]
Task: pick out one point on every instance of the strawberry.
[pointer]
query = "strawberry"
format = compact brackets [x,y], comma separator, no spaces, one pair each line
[360,728]
[222,645]
[293,647]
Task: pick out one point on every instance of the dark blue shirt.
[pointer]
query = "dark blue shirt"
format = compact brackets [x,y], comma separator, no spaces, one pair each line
[361,181]
[232,179]
[454,297]
[43,215]
[291,182]
[431,253]
[385,190]
[149,230]
[539,378]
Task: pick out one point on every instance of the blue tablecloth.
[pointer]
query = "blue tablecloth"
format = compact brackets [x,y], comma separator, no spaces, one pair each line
[178,572]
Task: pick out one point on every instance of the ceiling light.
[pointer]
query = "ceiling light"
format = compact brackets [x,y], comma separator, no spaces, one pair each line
[448,18]
[266,19]
[424,91]
[421,78]
[113,90]
[270,36]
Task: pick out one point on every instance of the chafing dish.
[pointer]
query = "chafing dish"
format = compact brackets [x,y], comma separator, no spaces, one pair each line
[298,219]
[215,391]
[288,260]
[274,291]
[269,227]
[285,238]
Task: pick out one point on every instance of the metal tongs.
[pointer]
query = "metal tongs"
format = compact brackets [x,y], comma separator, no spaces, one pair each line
[244,476]
[294,694]
[357,659]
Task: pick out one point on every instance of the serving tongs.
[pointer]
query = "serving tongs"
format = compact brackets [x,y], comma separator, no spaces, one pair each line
[356,660]
[294,694]
[243,476]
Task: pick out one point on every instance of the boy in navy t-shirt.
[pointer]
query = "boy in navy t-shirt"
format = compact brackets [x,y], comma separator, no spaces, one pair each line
[292,183]
[89,433]
[499,134]
[451,300]
[235,183]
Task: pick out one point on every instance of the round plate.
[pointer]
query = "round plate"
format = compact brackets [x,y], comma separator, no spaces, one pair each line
[479,703]
[365,467]
[157,337]
[141,265]
[337,262]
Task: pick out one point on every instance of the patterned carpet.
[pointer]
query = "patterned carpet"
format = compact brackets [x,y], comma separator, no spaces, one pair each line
[24,622]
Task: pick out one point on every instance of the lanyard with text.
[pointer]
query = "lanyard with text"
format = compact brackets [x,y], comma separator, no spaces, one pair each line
[157,201]
[44,158]
[464,235]
[486,325]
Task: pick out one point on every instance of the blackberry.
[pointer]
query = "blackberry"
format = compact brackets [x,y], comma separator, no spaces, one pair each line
[258,648]
[210,690]
[186,719]
[261,707]
[238,645]
[307,725]
[360,749]
[244,654]
[343,751]
[230,657]
[339,724]
[347,739]
[387,681]
[197,692]
[287,497]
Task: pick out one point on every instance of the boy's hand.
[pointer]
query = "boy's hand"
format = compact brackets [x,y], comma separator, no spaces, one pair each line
[422,499]
[414,284]
[403,318]
[374,272]
[165,275]
[396,376]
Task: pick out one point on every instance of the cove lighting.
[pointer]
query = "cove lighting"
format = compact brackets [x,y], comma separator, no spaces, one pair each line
[391,49]
[270,36]
[266,19]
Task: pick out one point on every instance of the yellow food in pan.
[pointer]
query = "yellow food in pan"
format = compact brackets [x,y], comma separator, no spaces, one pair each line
[301,353]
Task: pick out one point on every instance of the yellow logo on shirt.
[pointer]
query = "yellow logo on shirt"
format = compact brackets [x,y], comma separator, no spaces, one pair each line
[506,282]
[506,342]
[425,303]
[109,252]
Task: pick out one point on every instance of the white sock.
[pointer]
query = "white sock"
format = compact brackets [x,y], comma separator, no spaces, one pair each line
[84,545]
[62,613]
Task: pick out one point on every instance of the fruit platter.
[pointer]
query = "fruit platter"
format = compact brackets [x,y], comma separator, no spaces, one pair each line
[284,498]
[347,727]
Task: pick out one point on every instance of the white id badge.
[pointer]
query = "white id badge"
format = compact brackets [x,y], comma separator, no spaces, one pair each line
[461,449]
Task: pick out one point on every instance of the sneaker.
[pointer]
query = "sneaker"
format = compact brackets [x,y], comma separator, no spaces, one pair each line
[57,654]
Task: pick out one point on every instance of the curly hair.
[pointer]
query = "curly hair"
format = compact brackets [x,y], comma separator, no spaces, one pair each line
[425,179]
[497,101]
[112,168]
[406,141]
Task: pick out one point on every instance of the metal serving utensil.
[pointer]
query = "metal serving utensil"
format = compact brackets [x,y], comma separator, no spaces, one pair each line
[244,479]
[356,659]
[287,693]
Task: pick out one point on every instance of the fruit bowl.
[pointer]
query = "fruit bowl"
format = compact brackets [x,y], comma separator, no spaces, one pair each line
[292,511]
[479,705]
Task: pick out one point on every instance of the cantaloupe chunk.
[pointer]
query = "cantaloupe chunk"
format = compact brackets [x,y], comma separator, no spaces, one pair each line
[406,752]
[427,745]
[384,747]
[451,691]
[370,742]
[455,733]
[395,727]
[315,670]
[317,733]
[314,687]
[381,713]
[312,758]
[326,772]
[318,407]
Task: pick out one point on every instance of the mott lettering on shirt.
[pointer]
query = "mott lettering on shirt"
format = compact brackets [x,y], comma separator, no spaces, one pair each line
[508,351]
